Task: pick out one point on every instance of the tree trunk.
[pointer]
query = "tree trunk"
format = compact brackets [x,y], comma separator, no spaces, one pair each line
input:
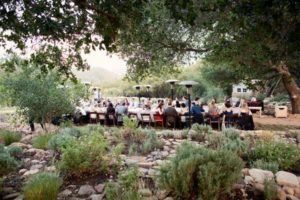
[291,86]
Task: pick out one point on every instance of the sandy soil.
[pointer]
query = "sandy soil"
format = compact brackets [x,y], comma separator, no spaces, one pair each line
[291,120]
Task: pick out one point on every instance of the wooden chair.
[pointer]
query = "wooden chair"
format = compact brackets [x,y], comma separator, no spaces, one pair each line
[158,119]
[93,117]
[112,118]
[228,120]
[170,122]
[215,119]
[146,119]
[119,119]
[101,118]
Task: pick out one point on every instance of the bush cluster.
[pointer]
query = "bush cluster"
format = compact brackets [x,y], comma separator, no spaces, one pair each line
[261,164]
[286,155]
[8,163]
[9,137]
[41,141]
[126,187]
[200,132]
[200,173]
[42,186]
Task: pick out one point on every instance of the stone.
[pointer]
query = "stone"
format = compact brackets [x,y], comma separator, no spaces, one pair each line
[145,165]
[284,178]
[166,148]
[50,168]
[152,172]
[281,195]
[143,171]
[288,190]
[99,188]
[97,196]
[159,162]
[19,144]
[11,196]
[162,194]
[245,172]
[37,166]
[297,192]
[169,198]
[86,190]
[260,175]
[22,171]
[291,197]
[65,193]
[248,180]
[30,172]
[35,162]
[258,186]
[164,153]
[30,152]
[130,161]
[145,192]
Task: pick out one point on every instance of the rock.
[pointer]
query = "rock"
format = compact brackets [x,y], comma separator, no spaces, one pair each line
[22,171]
[86,190]
[11,196]
[260,175]
[30,152]
[281,195]
[99,188]
[35,162]
[20,197]
[245,172]
[145,165]
[97,196]
[37,166]
[152,172]
[143,171]
[258,186]
[166,148]
[297,192]
[40,154]
[169,198]
[145,192]
[30,172]
[50,168]
[27,138]
[162,194]
[288,190]
[291,197]
[164,153]
[65,193]
[248,180]
[286,179]
[19,144]
[130,161]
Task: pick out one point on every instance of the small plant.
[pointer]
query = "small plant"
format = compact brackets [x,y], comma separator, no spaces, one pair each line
[200,132]
[270,190]
[151,142]
[286,155]
[238,146]
[10,137]
[216,140]
[126,188]
[261,164]
[8,163]
[231,133]
[202,128]
[15,152]
[198,173]
[60,141]
[184,134]
[91,129]
[130,123]
[133,150]
[167,134]
[42,186]
[66,123]
[41,141]
[266,136]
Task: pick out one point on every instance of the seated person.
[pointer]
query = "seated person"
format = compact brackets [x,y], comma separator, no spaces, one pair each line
[196,111]
[110,110]
[228,112]
[120,111]
[183,109]
[213,109]
[245,118]
[170,114]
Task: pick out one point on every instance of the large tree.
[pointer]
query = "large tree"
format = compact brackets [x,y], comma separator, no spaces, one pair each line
[160,35]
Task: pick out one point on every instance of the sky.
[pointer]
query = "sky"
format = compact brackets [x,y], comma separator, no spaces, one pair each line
[109,62]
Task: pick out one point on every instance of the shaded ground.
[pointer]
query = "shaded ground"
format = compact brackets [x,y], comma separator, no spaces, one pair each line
[273,123]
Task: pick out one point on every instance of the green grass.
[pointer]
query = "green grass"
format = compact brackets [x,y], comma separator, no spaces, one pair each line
[275,127]
[9,137]
[41,141]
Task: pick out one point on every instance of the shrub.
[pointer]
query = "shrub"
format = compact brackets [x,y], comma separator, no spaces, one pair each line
[270,190]
[216,140]
[72,131]
[200,173]
[90,129]
[126,187]
[130,123]
[9,137]
[16,152]
[200,132]
[42,186]
[60,141]
[7,162]
[84,155]
[261,164]
[41,141]
[133,150]
[231,133]
[185,133]
[237,146]
[286,155]
[151,142]
[266,136]
[167,134]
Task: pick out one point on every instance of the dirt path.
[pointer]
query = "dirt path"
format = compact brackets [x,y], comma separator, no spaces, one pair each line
[291,120]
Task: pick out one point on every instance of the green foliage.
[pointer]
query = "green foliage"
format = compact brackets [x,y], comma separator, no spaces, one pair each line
[200,132]
[41,141]
[231,133]
[286,155]
[200,173]
[61,141]
[42,186]
[126,187]
[130,123]
[91,129]
[261,164]
[84,155]
[16,152]
[237,146]
[216,140]
[151,142]
[133,150]
[280,98]
[270,190]
[184,133]
[66,124]
[8,163]
[9,137]
[167,134]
